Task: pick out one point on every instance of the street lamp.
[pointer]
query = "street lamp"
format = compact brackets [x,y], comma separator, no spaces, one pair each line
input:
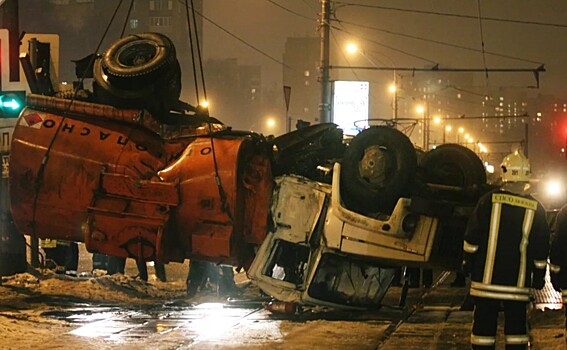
[446,129]
[352,48]
[270,123]
[460,131]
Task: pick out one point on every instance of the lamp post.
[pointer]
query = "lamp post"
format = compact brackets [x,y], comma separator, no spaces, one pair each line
[446,129]
[424,111]
[394,90]
[459,132]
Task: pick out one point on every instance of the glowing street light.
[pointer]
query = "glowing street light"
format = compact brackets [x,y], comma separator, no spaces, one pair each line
[460,131]
[446,129]
[270,123]
[352,48]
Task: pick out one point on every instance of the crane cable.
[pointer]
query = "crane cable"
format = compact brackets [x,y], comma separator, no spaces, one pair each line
[41,170]
[222,194]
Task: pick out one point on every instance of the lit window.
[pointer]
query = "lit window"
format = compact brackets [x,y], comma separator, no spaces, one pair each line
[306,73]
[164,21]
[134,23]
[161,5]
[307,83]
[458,95]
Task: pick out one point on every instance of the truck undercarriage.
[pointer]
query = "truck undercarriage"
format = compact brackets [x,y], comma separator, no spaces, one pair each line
[324,220]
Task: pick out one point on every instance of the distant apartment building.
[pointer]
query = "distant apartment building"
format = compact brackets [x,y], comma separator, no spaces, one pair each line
[300,72]
[235,93]
[82,23]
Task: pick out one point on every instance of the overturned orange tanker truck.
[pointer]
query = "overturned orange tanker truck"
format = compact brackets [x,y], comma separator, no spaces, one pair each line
[135,173]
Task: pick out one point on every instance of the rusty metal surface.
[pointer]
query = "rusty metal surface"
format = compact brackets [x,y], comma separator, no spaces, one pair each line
[101,178]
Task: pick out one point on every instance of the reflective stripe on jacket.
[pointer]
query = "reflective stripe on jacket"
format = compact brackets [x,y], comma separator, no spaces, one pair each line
[506,245]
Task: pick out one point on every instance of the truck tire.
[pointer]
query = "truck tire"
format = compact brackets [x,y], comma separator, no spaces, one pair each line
[158,96]
[138,59]
[377,169]
[453,165]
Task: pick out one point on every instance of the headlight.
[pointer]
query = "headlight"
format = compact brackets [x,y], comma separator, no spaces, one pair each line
[554,189]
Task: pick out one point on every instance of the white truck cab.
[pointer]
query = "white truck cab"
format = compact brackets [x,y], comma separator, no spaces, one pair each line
[321,253]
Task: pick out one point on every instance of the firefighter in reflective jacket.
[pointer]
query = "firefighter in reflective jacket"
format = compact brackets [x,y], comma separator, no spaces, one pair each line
[505,250]
[558,257]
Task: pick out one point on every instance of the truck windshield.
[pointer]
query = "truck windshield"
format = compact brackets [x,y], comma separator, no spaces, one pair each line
[348,281]
[288,262]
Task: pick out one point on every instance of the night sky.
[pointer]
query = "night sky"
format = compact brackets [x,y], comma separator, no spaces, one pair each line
[399,32]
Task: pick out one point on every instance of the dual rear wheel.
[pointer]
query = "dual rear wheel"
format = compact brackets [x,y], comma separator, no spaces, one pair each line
[381,165]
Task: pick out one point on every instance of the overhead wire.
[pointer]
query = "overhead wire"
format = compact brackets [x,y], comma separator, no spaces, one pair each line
[218,181]
[127,18]
[445,14]
[433,41]
[288,10]
[191,46]
[199,54]
[45,160]
[237,37]
[309,5]
[344,56]
[388,46]
[482,40]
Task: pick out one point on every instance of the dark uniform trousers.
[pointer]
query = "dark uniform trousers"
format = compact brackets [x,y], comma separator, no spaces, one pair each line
[505,249]
[486,322]
[558,258]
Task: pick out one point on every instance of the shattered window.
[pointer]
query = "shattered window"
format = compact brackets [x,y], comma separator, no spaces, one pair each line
[349,281]
[288,262]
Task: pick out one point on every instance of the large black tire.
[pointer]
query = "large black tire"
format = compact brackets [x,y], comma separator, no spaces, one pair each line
[122,97]
[158,96]
[377,169]
[138,59]
[453,165]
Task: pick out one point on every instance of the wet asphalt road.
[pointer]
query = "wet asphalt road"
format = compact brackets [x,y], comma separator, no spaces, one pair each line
[431,319]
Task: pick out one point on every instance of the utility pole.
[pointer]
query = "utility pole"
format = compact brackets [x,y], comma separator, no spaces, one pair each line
[325,105]
[12,243]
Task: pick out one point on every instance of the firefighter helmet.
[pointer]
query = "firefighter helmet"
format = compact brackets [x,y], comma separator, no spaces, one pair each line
[515,168]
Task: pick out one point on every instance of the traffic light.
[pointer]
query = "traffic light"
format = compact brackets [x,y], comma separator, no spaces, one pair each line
[11,103]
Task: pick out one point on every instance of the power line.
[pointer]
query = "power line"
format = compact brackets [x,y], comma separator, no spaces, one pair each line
[482,41]
[344,56]
[445,14]
[309,5]
[434,41]
[389,47]
[237,37]
[290,11]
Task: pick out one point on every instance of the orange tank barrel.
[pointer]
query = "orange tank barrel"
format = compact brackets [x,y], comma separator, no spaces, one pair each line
[96,174]
[56,164]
